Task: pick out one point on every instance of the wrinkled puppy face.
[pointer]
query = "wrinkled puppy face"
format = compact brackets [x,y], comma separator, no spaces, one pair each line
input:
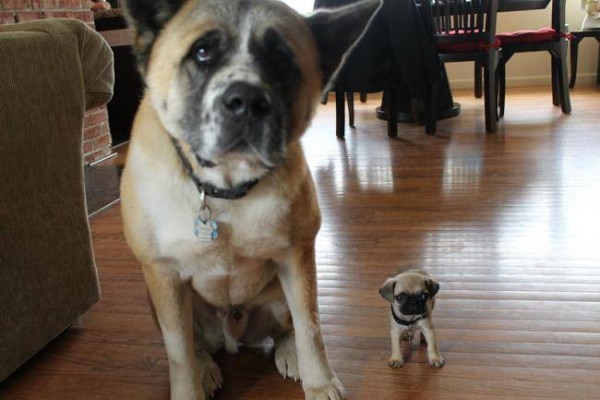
[235,81]
[410,292]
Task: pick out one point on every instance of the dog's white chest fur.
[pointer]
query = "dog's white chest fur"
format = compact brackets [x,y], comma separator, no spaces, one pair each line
[234,268]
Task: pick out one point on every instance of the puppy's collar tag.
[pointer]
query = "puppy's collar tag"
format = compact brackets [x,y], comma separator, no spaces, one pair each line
[205,228]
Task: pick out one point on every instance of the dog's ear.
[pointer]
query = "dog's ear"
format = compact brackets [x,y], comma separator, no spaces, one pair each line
[337,30]
[387,290]
[432,287]
[147,18]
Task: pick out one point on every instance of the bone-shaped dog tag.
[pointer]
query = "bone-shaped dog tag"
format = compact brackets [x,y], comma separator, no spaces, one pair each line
[206,231]
[205,228]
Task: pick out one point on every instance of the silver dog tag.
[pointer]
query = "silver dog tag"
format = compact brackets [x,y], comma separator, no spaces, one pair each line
[205,228]
[206,231]
[408,335]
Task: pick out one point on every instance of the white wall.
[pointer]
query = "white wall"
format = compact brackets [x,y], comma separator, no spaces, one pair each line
[534,68]
[302,6]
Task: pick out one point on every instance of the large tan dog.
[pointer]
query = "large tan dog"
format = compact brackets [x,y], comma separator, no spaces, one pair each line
[218,203]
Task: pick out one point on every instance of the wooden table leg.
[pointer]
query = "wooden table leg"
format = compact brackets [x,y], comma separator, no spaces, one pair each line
[598,66]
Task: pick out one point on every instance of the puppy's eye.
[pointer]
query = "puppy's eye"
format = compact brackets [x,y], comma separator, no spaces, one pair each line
[400,297]
[424,296]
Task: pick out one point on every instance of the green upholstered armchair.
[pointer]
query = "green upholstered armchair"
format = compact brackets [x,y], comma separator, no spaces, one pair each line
[51,71]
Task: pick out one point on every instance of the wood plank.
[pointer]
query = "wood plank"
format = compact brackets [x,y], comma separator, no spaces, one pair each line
[506,222]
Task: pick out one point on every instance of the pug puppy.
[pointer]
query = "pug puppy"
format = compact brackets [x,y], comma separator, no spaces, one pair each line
[412,297]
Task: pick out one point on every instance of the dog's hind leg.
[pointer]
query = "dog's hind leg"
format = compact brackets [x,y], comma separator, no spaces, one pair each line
[286,358]
[212,378]
[297,275]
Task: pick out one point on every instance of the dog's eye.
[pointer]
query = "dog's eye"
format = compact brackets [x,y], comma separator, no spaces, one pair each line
[401,297]
[424,296]
[203,54]
[206,48]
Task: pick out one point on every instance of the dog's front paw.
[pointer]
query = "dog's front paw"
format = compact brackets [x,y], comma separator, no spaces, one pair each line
[286,358]
[212,379]
[395,363]
[437,361]
[333,391]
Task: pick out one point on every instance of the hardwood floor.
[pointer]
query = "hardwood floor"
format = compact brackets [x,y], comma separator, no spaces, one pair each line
[508,223]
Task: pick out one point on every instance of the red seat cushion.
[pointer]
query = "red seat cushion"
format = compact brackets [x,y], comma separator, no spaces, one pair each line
[527,36]
[464,46]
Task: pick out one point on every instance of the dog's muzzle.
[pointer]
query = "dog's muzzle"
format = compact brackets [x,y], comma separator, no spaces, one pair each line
[253,123]
[245,103]
[413,305]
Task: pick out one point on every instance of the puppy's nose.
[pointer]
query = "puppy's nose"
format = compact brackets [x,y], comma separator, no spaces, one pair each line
[245,100]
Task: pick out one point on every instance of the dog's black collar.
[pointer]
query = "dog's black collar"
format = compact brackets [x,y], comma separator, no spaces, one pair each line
[209,189]
[404,322]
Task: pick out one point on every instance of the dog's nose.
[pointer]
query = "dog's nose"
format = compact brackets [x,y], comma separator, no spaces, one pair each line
[245,100]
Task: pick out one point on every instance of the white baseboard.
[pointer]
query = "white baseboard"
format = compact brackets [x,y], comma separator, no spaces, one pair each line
[523,81]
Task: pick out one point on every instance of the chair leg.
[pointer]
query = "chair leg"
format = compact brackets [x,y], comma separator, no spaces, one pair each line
[574,54]
[598,65]
[562,79]
[478,79]
[339,115]
[501,73]
[350,100]
[392,112]
[489,91]
[555,85]
[431,106]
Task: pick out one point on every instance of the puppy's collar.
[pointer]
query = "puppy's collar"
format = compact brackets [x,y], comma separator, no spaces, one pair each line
[209,189]
[404,322]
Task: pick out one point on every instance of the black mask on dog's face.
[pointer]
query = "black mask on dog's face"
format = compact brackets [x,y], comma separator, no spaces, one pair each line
[412,304]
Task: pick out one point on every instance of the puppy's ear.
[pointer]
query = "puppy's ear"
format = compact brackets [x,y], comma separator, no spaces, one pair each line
[337,30]
[387,290]
[147,18]
[432,287]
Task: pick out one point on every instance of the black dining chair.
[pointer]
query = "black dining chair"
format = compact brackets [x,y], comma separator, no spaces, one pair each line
[464,30]
[551,39]
[366,70]
[576,37]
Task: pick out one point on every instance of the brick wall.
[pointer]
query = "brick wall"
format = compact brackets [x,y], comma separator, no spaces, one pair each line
[96,133]
[12,11]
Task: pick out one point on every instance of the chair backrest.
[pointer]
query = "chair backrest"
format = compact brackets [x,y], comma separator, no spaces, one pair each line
[456,21]
[558,15]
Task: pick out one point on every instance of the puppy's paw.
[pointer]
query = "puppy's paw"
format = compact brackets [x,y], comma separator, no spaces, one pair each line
[212,378]
[333,391]
[286,358]
[437,361]
[395,363]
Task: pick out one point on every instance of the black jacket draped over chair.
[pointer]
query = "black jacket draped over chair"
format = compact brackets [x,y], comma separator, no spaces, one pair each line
[395,52]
